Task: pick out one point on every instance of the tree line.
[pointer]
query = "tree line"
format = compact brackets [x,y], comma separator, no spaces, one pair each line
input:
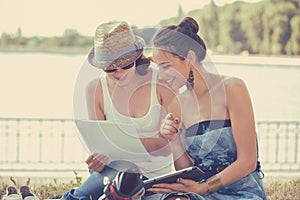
[268,27]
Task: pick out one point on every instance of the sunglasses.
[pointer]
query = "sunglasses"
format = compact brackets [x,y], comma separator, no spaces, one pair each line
[107,70]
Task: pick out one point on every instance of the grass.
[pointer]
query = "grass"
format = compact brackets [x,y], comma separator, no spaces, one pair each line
[288,190]
[44,188]
[277,189]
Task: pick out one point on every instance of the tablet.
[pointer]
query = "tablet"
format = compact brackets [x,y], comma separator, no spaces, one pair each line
[119,141]
[193,173]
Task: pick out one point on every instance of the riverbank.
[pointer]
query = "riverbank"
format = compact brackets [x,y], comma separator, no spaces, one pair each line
[254,60]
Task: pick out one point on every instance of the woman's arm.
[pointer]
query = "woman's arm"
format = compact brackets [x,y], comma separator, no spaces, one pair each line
[94,100]
[159,146]
[174,131]
[243,128]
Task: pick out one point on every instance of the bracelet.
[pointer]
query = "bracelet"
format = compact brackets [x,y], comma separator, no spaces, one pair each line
[214,184]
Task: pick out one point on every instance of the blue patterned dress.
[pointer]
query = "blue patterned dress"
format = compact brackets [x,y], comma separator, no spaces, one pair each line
[211,145]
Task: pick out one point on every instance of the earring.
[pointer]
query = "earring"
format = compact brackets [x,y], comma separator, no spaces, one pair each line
[190,80]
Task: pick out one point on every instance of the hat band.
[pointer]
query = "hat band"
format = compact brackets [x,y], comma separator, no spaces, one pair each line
[113,56]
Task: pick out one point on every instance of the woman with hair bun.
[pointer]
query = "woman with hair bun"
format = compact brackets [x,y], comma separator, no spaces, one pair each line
[215,125]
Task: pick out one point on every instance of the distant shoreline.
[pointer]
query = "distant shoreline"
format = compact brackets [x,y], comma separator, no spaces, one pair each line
[256,60]
[264,60]
[62,52]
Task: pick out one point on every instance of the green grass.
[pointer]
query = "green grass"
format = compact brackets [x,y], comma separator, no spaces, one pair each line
[44,189]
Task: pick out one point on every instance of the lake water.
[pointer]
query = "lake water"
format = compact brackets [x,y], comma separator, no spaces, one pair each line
[42,85]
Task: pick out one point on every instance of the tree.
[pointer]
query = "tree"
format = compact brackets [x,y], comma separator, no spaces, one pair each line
[293,46]
[6,39]
[236,32]
[286,11]
[70,37]
[19,39]
[254,30]
[208,20]
[180,13]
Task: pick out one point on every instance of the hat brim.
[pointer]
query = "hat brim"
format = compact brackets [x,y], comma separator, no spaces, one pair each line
[119,62]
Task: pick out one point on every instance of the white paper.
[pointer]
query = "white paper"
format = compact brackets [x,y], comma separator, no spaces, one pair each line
[118,141]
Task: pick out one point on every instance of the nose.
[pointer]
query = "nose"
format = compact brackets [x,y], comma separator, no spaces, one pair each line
[163,75]
[119,73]
[119,70]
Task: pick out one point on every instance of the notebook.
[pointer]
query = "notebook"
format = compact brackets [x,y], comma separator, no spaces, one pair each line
[119,141]
[193,173]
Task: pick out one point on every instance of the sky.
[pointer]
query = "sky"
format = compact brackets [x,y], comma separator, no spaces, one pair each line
[52,17]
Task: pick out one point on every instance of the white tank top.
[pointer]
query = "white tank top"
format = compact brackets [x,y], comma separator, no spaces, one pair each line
[147,126]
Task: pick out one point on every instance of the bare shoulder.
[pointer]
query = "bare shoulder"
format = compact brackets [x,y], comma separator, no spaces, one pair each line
[93,85]
[236,91]
[234,84]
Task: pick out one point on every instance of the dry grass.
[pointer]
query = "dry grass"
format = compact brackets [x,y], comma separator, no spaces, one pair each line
[277,189]
[44,188]
[287,190]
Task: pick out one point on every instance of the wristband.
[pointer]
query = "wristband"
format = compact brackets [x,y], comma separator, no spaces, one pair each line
[214,184]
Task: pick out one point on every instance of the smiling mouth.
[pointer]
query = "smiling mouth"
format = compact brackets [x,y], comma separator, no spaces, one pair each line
[169,81]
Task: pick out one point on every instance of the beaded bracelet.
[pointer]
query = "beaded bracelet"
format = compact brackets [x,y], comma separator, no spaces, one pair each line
[214,184]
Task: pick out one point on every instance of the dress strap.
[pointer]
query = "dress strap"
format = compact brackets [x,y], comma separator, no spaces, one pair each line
[154,99]
[106,96]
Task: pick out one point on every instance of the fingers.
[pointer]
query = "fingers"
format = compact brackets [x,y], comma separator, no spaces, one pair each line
[186,182]
[160,190]
[166,188]
[90,158]
[182,185]
[170,126]
[97,162]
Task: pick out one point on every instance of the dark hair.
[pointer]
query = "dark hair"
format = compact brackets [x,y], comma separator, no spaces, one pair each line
[142,64]
[179,39]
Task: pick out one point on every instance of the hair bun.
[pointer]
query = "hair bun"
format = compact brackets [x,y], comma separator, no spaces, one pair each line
[190,24]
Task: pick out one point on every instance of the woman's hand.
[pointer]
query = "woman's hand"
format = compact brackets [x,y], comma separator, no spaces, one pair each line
[182,185]
[97,162]
[169,127]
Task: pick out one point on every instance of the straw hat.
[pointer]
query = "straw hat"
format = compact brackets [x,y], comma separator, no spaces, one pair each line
[115,45]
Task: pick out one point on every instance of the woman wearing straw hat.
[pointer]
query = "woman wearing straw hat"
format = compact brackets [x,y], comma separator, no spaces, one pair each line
[127,92]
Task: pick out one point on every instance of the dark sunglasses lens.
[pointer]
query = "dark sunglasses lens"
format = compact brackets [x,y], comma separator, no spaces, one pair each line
[110,70]
[115,69]
[128,66]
